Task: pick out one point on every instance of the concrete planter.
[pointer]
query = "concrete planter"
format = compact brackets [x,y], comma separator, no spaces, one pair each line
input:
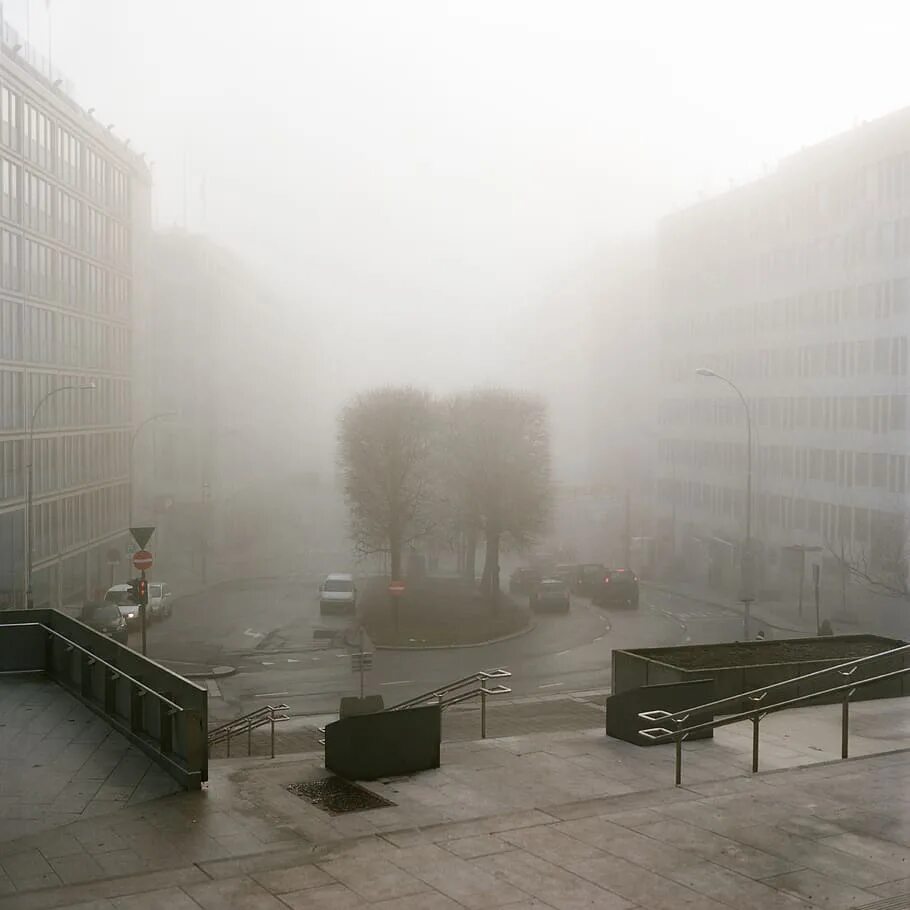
[762,663]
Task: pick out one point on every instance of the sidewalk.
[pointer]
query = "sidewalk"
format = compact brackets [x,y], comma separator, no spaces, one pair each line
[560,819]
[781,617]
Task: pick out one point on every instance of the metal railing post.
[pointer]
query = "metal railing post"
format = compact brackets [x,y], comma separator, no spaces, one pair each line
[483,712]
[229,744]
[845,726]
[756,720]
[679,739]
[272,719]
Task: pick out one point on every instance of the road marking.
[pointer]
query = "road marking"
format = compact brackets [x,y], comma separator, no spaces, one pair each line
[252,634]
[293,660]
[567,651]
[212,686]
[600,637]
[398,682]
[549,685]
[268,663]
[270,694]
[315,658]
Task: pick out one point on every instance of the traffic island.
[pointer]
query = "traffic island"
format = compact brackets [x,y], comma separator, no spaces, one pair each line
[738,667]
[437,612]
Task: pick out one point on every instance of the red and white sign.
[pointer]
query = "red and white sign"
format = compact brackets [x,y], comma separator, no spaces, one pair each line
[396,588]
[142,560]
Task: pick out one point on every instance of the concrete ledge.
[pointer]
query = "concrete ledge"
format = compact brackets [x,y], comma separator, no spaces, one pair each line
[530,627]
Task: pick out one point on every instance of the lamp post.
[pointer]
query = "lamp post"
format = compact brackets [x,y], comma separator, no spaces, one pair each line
[29,536]
[746,573]
[135,433]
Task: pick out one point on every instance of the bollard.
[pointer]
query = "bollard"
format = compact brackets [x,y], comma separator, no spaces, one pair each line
[756,719]
[483,712]
[679,740]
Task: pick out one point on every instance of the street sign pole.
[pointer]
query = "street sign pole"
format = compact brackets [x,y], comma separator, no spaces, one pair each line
[142,618]
[361,662]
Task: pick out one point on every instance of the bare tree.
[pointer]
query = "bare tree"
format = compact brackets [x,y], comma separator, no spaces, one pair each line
[499,459]
[884,568]
[385,457]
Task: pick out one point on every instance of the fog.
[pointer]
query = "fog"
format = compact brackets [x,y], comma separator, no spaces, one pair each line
[421,181]
[417,174]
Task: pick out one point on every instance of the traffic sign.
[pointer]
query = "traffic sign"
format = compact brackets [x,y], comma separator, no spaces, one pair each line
[142,560]
[396,588]
[361,661]
[142,535]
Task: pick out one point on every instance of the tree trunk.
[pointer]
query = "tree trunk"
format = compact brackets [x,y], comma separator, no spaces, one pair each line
[490,581]
[395,559]
[470,554]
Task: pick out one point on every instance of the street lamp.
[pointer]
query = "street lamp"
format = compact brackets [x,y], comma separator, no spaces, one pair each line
[746,560]
[88,387]
[135,433]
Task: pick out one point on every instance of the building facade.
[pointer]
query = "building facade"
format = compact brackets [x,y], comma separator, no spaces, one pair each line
[73,212]
[221,468]
[797,288]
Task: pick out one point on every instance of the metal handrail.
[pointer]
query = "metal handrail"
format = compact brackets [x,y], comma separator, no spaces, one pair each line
[215,731]
[761,691]
[435,695]
[662,734]
[268,714]
[119,674]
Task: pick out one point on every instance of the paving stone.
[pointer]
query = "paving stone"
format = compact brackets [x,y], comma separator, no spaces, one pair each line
[164,899]
[327,897]
[821,891]
[76,868]
[296,878]
[233,894]
[374,879]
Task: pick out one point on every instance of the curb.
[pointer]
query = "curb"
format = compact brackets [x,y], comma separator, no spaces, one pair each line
[214,673]
[530,627]
[725,607]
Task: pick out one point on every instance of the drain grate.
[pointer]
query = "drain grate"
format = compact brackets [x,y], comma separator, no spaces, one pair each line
[336,795]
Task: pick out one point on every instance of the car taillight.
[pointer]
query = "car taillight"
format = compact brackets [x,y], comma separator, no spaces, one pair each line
[606,579]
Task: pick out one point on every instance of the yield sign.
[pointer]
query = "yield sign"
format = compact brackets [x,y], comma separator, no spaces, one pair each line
[142,535]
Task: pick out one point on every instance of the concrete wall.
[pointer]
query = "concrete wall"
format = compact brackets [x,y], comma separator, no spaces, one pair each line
[105,680]
[368,746]
[623,708]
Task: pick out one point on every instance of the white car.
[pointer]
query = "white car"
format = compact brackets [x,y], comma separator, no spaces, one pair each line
[159,599]
[338,594]
[129,609]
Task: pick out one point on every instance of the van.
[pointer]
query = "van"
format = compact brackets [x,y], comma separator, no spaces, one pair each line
[338,594]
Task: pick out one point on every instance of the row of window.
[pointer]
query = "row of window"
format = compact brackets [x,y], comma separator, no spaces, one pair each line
[75,460]
[825,520]
[106,405]
[46,336]
[30,267]
[866,357]
[845,468]
[873,413]
[26,129]
[830,306]
[74,521]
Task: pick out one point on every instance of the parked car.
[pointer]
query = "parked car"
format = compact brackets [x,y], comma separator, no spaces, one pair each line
[551,594]
[105,617]
[129,609]
[523,580]
[338,594]
[619,587]
[159,599]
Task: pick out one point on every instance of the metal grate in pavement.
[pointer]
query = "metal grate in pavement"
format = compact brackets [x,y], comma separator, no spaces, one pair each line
[898,902]
[336,795]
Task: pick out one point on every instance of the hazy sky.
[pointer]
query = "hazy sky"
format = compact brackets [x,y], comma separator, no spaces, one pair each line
[418,171]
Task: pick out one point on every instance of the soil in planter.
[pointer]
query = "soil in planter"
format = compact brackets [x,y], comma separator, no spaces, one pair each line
[784,651]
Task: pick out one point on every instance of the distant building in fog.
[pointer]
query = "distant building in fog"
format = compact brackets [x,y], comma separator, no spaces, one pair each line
[796,287]
[73,213]
[217,352]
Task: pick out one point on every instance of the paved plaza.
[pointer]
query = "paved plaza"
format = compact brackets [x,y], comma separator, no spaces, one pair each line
[558,819]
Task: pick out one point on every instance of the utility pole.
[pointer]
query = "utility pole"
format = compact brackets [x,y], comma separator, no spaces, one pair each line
[205,528]
[628,531]
[816,576]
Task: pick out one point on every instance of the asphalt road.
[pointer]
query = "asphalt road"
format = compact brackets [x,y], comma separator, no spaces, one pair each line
[265,628]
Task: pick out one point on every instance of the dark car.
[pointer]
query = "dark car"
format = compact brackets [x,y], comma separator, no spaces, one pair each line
[551,594]
[523,581]
[105,617]
[618,587]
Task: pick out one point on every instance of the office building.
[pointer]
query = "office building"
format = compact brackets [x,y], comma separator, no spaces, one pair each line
[73,212]
[797,288]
